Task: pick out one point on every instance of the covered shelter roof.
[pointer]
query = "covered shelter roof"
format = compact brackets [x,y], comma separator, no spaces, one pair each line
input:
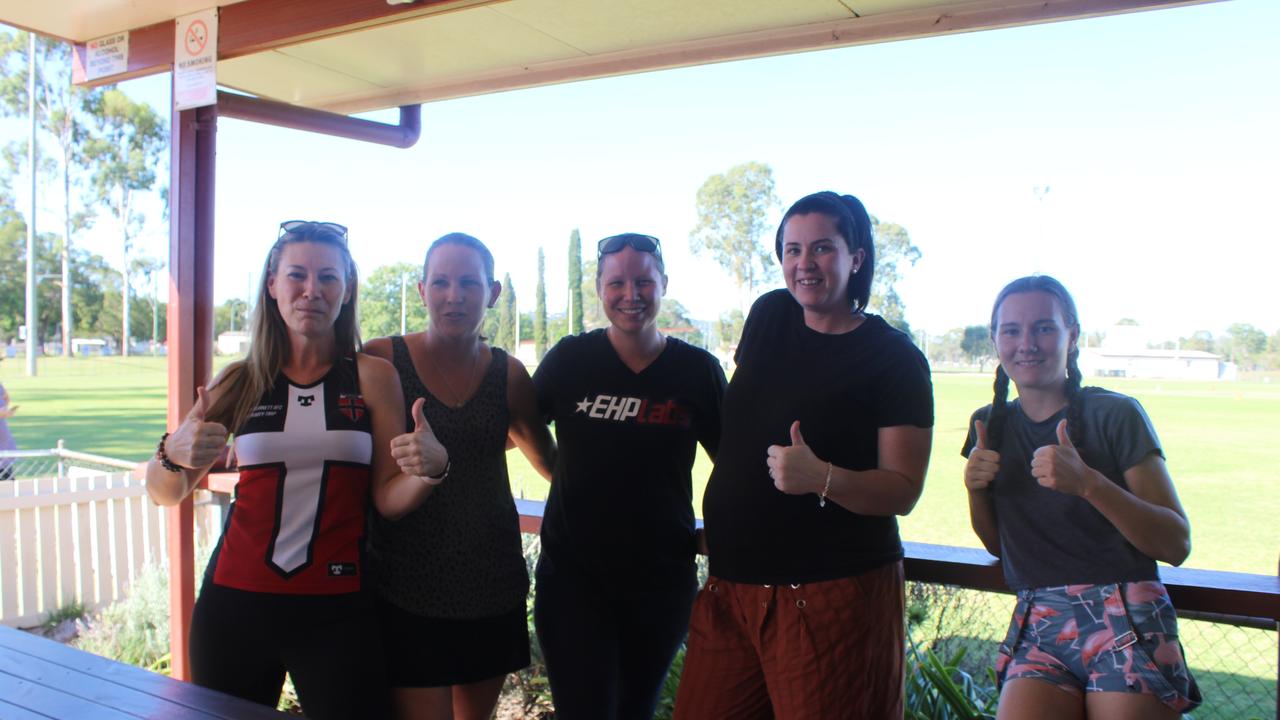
[350,56]
[358,55]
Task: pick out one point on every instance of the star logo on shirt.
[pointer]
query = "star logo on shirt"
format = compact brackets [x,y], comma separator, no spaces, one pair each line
[585,405]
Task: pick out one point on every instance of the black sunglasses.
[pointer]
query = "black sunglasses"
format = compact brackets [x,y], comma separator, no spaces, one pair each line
[307,227]
[641,243]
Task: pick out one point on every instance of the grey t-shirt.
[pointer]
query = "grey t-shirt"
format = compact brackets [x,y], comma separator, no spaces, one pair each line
[1049,538]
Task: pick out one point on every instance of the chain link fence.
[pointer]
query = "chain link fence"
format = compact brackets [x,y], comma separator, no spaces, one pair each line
[1234,663]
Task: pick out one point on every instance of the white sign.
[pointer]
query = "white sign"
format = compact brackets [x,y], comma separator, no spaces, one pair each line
[106,56]
[195,60]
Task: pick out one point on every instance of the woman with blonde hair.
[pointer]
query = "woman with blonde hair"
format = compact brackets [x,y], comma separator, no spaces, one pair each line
[319,432]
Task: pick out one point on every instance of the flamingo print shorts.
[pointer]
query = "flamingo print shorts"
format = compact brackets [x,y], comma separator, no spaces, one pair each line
[1099,638]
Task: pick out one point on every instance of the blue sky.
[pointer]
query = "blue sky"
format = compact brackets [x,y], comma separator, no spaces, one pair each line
[1156,133]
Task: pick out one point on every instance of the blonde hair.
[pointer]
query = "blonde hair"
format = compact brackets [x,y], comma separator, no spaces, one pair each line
[247,380]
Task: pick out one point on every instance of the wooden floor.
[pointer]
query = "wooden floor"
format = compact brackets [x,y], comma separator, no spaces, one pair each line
[40,678]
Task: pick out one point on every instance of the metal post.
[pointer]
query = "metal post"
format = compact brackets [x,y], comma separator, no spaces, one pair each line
[33,333]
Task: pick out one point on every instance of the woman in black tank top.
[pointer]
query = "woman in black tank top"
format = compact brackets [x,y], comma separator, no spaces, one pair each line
[452,581]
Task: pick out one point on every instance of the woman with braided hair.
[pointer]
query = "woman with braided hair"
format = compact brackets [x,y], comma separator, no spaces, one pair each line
[1068,486]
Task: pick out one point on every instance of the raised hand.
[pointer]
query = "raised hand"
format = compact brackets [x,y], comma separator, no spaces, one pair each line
[980,471]
[419,453]
[794,468]
[197,442]
[1060,467]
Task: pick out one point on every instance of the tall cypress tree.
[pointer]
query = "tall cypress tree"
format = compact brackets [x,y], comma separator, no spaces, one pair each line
[575,282]
[540,309]
[506,337]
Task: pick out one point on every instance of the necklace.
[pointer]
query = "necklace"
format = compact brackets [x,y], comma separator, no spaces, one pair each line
[458,400]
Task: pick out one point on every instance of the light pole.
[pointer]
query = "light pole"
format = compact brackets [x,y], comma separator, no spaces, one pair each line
[33,340]
[404,307]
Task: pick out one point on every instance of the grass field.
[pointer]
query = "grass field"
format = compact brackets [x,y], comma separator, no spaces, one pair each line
[1219,438]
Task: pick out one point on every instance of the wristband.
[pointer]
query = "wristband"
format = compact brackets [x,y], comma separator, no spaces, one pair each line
[434,480]
[163,457]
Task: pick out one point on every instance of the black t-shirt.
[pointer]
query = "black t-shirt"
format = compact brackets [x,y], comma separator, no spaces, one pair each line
[842,388]
[1049,538]
[621,498]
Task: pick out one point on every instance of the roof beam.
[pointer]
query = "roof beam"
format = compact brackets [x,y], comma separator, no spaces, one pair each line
[884,27]
[256,26]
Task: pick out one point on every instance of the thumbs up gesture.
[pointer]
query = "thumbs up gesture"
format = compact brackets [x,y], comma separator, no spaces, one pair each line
[983,464]
[196,443]
[1060,467]
[794,468]
[419,453]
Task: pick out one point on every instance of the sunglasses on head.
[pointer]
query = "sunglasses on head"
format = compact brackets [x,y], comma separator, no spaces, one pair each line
[641,243]
[308,227]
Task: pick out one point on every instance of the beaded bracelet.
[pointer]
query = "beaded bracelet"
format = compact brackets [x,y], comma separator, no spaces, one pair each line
[163,457]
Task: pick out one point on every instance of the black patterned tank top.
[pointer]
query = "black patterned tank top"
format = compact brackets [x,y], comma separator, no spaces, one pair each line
[458,554]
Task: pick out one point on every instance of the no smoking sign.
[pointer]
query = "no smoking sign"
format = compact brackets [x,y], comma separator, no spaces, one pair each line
[196,38]
[195,61]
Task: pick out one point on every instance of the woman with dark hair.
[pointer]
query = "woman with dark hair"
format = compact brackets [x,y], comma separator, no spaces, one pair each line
[616,577]
[451,576]
[1068,486]
[827,431]
[318,433]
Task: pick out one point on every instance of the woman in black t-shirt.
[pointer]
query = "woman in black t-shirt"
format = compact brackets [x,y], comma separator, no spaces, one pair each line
[616,577]
[827,431]
[1068,486]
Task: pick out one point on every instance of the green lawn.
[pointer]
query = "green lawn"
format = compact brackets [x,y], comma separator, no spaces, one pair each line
[1218,437]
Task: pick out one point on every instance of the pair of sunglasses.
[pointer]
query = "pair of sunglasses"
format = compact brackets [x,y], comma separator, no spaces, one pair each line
[307,227]
[641,243]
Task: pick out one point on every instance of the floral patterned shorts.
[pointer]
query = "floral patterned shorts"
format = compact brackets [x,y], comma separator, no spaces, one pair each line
[1099,638]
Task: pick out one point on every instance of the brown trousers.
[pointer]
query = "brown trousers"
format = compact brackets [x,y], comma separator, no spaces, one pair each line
[818,651]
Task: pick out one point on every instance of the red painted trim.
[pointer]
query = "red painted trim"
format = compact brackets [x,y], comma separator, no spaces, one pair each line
[190,335]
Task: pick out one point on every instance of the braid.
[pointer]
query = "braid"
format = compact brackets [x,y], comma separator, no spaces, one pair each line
[1075,400]
[999,409]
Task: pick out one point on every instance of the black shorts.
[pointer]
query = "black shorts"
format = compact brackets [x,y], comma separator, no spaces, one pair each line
[439,652]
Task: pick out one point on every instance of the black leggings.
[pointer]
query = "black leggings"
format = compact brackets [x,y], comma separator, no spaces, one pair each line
[242,643]
[608,646]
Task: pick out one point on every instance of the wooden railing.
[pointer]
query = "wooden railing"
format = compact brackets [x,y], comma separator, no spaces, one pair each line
[1223,597]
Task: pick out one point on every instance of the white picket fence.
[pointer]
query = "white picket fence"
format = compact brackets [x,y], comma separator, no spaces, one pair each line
[78,531]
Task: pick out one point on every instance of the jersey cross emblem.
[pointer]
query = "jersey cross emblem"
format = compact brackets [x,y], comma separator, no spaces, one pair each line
[303,451]
[352,406]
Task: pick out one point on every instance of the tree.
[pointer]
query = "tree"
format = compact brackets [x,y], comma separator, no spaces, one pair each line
[231,316]
[507,332]
[893,247]
[60,110]
[380,295]
[1244,344]
[946,348]
[732,208]
[540,309]
[1200,340]
[575,282]
[674,319]
[729,329]
[125,152]
[976,344]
